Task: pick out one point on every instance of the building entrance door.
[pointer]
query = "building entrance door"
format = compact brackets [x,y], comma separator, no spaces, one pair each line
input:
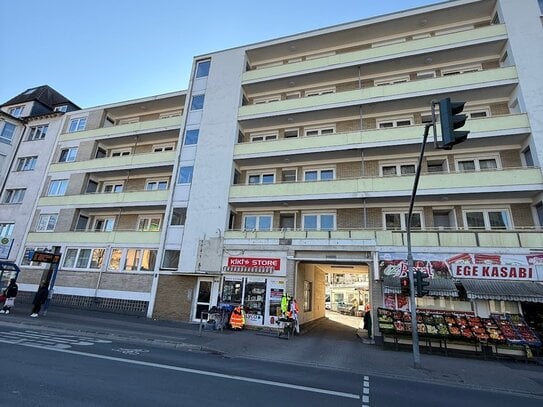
[203,297]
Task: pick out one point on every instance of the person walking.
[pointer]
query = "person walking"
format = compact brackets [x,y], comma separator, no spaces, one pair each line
[367,320]
[39,299]
[10,293]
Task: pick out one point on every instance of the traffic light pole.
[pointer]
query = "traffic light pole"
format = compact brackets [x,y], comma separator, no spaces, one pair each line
[414,330]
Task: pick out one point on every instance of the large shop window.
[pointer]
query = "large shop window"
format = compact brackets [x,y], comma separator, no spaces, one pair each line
[84,258]
[232,290]
[255,299]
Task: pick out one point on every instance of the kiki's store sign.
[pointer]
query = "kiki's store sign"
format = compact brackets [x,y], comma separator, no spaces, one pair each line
[493,271]
[254,262]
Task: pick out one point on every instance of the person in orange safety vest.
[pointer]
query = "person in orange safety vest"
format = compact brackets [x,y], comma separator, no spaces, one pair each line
[237,319]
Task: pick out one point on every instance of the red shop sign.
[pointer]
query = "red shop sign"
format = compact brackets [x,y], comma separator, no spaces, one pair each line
[254,262]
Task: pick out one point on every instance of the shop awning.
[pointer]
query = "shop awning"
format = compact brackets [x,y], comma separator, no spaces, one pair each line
[439,287]
[525,291]
[241,269]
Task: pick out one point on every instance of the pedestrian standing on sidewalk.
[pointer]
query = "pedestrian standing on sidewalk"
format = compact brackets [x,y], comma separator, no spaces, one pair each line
[10,293]
[39,299]
[367,320]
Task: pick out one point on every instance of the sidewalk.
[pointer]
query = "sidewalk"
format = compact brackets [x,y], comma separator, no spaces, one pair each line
[334,350]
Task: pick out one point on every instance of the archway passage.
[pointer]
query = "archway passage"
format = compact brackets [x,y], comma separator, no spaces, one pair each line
[332,297]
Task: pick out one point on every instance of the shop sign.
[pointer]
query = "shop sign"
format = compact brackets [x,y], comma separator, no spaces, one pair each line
[466,265]
[254,262]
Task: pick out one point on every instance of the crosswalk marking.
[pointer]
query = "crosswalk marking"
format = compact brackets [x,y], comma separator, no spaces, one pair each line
[59,341]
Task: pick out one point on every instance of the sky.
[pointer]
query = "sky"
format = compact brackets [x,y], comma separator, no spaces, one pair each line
[105,51]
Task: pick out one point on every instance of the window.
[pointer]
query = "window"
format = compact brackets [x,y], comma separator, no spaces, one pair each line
[14,195]
[477,114]
[57,187]
[129,120]
[489,219]
[539,212]
[149,223]
[267,99]
[387,42]
[426,75]
[47,223]
[6,229]
[100,153]
[26,163]
[397,169]
[437,165]
[134,260]
[82,222]
[176,113]
[476,164]
[291,133]
[391,80]
[319,175]
[202,68]
[540,2]
[185,175]
[121,152]
[257,222]
[293,95]
[163,148]
[178,216]
[319,221]
[320,131]
[443,218]
[308,295]
[461,69]
[113,187]
[261,178]
[318,92]
[62,108]
[68,155]
[264,136]
[25,261]
[84,258]
[38,132]
[528,159]
[191,136]
[197,102]
[6,135]
[288,176]
[287,221]
[104,224]
[156,185]
[170,259]
[388,123]
[77,124]
[398,220]
[16,111]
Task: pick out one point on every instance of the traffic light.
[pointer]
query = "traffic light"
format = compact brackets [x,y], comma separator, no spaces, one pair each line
[451,119]
[422,283]
[404,284]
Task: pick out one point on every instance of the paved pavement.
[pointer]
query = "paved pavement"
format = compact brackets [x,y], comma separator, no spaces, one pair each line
[326,343]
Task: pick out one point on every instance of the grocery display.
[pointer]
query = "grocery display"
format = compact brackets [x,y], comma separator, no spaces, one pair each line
[498,329]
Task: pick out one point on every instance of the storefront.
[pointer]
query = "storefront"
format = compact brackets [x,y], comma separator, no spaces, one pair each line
[257,282]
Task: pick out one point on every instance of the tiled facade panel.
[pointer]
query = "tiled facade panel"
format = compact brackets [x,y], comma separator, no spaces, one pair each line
[349,170]
[126,282]
[374,218]
[85,151]
[346,86]
[368,123]
[127,222]
[371,168]
[65,221]
[174,297]
[134,184]
[497,109]
[522,215]
[352,218]
[79,279]
[510,159]
[347,126]
[490,65]
[76,184]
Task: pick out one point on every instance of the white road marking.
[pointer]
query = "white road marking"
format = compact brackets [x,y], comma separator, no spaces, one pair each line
[196,371]
[366,391]
[126,351]
[52,340]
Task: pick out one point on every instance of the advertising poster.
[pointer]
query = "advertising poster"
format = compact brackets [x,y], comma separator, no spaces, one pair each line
[276,291]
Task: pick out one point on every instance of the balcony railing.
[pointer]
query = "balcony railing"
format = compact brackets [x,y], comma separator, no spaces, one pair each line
[519,238]
[108,199]
[478,35]
[431,183]
[111,163]
[80,237]
[471,80]
[125,129]
[498,125]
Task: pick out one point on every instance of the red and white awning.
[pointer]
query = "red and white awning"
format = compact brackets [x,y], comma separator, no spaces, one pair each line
[242,269]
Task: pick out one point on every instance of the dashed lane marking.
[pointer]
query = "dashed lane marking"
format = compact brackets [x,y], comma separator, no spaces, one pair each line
[366,392]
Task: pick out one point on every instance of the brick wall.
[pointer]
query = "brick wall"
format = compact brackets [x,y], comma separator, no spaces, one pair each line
[127,222]
[343,87]
[497,109]
[510,159]
[352,169]
[522,215]
[174,297]
[350,218]
[347,126]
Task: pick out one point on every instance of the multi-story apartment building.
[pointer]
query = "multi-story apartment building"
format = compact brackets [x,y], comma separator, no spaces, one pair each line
[29,127]
[102,203]
[306,155]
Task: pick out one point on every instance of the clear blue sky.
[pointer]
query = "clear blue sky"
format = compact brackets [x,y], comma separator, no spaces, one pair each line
[104,51]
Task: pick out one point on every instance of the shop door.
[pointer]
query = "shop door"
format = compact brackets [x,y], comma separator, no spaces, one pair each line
[203,297]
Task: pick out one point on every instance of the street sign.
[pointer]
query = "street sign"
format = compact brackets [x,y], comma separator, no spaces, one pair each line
[44,257]
[5,247]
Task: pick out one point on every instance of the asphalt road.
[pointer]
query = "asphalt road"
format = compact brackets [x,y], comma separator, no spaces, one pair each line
[50,369]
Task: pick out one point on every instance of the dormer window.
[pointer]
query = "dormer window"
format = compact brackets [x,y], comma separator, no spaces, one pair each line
[16,111]
[62,108]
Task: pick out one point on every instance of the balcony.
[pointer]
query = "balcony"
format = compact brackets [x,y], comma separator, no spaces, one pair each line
[499,125]
[442,42]
[114,163]
[514,179]
[101,238]
[429,87]
[150,126]
[528,239]
[137,198]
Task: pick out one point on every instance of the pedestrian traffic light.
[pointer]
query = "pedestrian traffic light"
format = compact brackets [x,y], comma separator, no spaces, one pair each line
[422,283]
[451,119]
[404,284]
